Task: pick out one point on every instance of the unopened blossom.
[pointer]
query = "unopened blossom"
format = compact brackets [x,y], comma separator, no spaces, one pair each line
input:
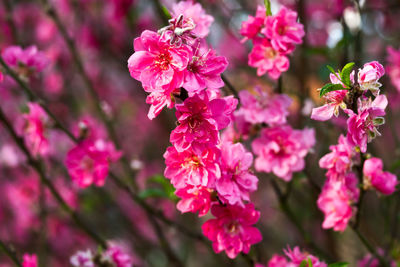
[296,257]
[194,199]
[335,201]
[116,255]
[191,168]
[369,76]
[236,182]
[253,25]
[157,64]
[82,259]
[32,127]
[29,260]
[197,14]
[362,127]
[267,59]
[281,150]
[232,230]
[258,106]
[283,30]
[200,119]
[340,160]
[25,61]
[393,66]
[204,70]
[88,162]
[384,182]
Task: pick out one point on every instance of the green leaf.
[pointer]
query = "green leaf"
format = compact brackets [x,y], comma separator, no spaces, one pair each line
[153,192]
[345,73]
[329,88]
[167,187]
[306,263]
[166,12]
[339,264]
[333,71]
[267,4]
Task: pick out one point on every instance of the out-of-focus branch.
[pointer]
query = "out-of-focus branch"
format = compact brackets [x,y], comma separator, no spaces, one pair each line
[39,168]
[230,86]
[10,253]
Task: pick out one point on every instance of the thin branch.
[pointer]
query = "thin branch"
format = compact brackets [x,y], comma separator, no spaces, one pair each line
[10,253]
[230,86]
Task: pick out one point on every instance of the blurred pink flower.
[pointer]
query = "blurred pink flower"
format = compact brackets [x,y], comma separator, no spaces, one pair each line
[282,150]
[253,25]
[267,59]
[283,30]
[258,106]
[232,230]
[117,255]
[278,261]
[25,61]
[82,259]
[393,67]
[297,257]
[384,182]
[88,162]
[236,182]
[29,260]
[194,11]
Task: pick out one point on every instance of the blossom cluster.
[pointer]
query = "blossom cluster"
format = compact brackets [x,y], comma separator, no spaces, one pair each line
[365,108]
[178,70]
[274,38]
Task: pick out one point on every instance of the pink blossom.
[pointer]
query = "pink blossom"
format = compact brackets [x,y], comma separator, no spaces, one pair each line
[335,202]
[194,199]
[117,255]
[82,259]
[267,59]
[25,61]
[204,70]
[32,126]
[190,168]
[335,78]
[236,181]
[334,101]
[252,27]
[194,11]
[232,229]
[88,162]
[369,75]
[297,257]
[339,161]
[158,64]
[283,30]
[258,106]
[200,119]
[362,127]
[278,261]
[158,100]
[29,260]
[384,182]
[393,67]
[282,150]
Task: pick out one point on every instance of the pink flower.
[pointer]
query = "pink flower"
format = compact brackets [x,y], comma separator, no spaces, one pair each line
[190,168]
[369,75]
[29,260]
[335,78]
[297,257]
[335,202]
[339,161]
[252,27]
[283,30]
[282,150]
[267,59]
[82,259]
[393,67]
[194,199]
[200,119]
[278,261]
[88,162]
[25,61]
[362,127]
[232,229]
[32,126]
[334,101]
[195,12]
[204,70]
[260,107]
[158,100]
[158,64]
[236,181]
[384,182]
[117,255]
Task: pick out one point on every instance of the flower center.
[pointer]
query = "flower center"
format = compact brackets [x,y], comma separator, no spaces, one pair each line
[163,61]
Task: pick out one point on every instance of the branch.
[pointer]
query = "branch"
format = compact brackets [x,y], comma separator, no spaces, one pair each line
[10,253]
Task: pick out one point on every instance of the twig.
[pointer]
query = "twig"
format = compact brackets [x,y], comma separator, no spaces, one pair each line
[10,253]
[230,86]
